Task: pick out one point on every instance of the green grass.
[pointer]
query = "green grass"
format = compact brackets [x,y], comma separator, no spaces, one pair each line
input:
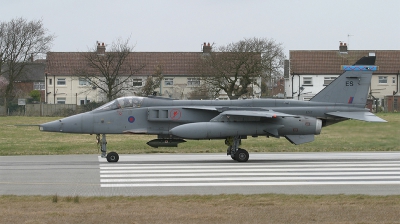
[345,136]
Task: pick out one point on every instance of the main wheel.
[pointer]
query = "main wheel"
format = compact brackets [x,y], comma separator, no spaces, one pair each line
[112,157]
[241,155]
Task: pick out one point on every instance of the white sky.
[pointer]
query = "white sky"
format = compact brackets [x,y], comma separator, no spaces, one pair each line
[183,25]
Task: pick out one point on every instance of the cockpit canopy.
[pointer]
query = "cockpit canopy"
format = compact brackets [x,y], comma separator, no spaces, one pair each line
[120,103]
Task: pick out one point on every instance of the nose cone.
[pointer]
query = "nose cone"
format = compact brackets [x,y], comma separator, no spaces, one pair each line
[53,126]
[72,124]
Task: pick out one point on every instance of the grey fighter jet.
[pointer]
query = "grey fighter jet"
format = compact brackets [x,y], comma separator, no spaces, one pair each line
[232,120]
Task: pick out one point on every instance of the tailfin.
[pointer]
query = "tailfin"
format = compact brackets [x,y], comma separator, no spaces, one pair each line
[352,86]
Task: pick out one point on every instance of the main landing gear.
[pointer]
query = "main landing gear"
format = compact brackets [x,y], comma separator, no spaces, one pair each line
[236,153]
[112,157]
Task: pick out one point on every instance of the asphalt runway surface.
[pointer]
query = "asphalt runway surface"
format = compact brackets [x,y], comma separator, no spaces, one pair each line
[376,173]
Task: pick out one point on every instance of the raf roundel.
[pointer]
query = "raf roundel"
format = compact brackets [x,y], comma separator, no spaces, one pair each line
[131,119]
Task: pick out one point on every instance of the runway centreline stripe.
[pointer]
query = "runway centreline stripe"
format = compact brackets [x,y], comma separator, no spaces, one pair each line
[282,183]
[339,178]
[247,174]
[156,166]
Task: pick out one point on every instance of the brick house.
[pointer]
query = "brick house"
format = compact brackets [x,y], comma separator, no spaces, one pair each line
[310,71]
[31,78]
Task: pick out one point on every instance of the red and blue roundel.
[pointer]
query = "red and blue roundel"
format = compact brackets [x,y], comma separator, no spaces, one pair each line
[131,119]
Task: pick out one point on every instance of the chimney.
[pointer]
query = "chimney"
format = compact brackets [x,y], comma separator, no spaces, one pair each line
[206,48]
[343,48]
[101,48]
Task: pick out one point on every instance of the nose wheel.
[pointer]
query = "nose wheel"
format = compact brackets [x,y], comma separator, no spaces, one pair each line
[112,157]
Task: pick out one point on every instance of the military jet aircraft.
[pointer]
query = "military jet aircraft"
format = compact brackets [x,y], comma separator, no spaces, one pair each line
[232,120]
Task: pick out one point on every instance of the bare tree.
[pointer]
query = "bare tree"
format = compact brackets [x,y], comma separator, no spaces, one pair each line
[236,67]
[109,71]
[20,42]
[152,82]
[204,92]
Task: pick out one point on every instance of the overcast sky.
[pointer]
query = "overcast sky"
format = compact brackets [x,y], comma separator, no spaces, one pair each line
[183,25]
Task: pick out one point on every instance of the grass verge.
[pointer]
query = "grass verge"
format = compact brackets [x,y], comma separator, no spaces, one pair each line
[266,208]
[345,136]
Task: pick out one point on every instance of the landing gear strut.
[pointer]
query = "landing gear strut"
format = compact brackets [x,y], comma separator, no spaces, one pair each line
[236,153]
[112,157]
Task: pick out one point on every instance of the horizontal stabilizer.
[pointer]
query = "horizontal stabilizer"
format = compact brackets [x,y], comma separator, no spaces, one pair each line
[362,116]
[299,139]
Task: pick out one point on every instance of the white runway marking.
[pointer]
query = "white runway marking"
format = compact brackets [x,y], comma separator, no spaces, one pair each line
[245,174]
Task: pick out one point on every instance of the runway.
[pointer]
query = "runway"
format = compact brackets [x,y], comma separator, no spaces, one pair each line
[178,174]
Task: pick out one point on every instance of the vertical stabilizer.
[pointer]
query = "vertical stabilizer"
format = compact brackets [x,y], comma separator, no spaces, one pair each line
[350,88]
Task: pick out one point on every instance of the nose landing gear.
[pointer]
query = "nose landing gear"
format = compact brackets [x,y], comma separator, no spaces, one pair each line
[112,157]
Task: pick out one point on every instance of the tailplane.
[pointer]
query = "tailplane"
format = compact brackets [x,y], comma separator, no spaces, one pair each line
[350,88]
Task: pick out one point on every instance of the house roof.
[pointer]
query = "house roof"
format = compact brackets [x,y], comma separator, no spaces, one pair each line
[172,63]
[32,72]
[330,61]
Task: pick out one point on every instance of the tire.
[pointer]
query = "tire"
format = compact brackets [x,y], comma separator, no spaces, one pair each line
[241,155]
[112,157]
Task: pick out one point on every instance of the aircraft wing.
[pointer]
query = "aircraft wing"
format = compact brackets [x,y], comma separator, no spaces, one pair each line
[363,116]
[201,108]
[249,113]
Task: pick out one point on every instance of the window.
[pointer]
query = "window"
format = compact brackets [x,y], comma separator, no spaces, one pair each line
[307,81]
[61,100]
[169,81]
[50,82]
[83,82]
[328,80]
[136,82]
[394,80]
[83,102]
[61,82]
[382,79]
[38,85]
[193,81]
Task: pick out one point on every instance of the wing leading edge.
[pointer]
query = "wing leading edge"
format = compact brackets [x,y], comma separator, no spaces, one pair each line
[249,113]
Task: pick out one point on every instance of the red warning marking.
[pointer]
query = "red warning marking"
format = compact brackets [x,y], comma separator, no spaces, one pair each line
[175,114]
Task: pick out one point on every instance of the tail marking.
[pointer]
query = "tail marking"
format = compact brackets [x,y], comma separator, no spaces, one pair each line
[359,68]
